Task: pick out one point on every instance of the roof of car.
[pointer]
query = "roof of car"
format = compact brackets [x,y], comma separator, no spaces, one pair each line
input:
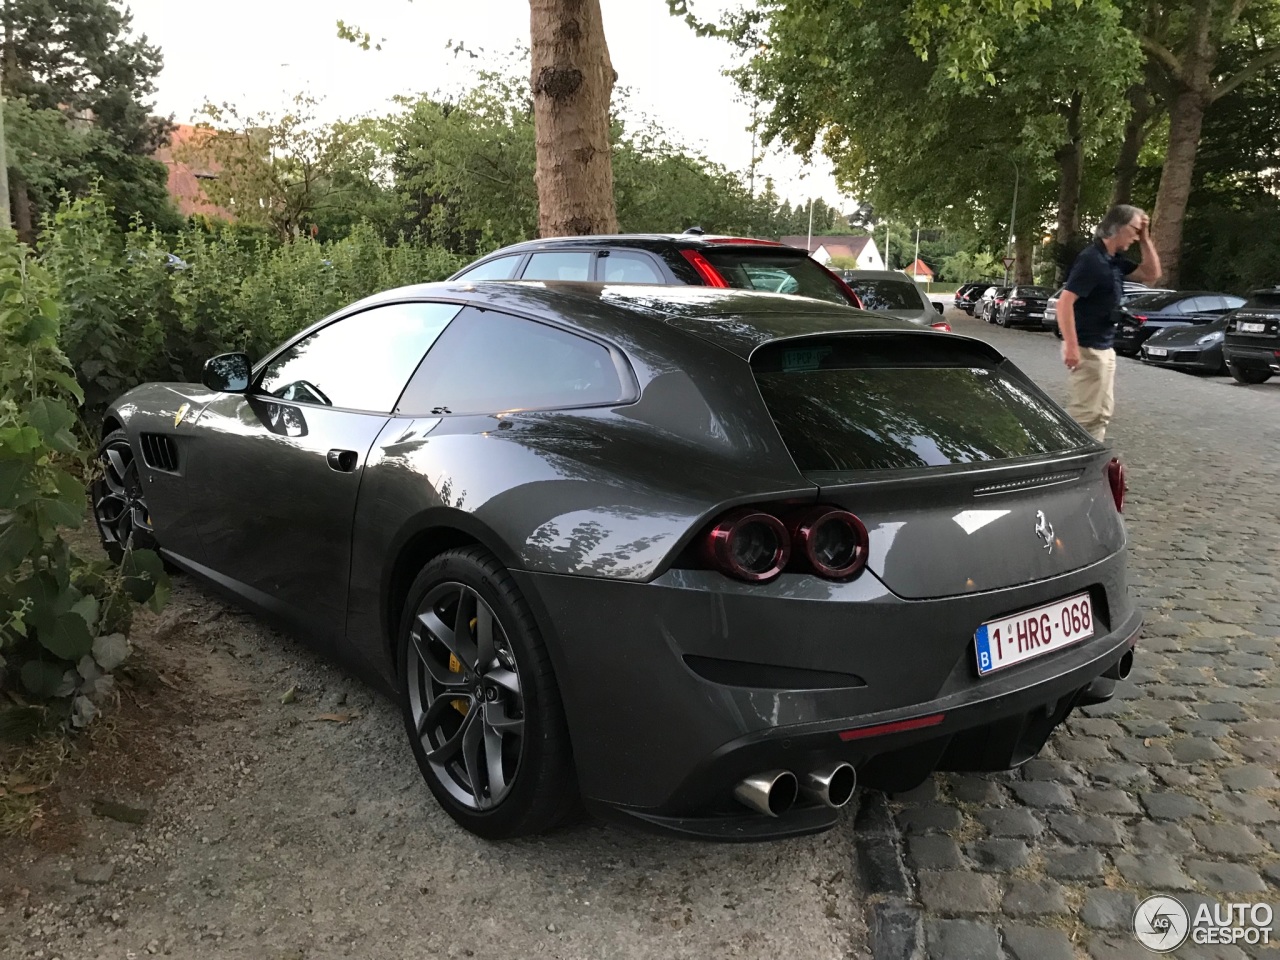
[737,320]
[691,240]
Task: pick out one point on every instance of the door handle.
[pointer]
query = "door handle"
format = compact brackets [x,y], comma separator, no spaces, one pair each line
[344,461]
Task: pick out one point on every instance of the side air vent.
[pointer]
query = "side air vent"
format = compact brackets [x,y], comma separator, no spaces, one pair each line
[159,451]
[1027,483]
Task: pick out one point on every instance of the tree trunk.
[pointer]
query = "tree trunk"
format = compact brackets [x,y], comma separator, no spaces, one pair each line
[1135,131]
[1185,119]
[572,84]
[1070,158]
[1023,242]
[22,220]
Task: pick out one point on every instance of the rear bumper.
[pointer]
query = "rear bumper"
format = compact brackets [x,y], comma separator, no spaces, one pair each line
[1250,357]
[668,694]
[1026,318]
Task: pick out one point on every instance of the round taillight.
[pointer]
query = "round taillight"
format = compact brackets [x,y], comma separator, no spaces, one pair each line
[749,545]
[834,542]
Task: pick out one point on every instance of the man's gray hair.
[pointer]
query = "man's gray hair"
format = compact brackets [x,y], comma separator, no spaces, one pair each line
[1121,215]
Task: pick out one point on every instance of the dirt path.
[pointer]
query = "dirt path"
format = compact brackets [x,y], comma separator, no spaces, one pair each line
[273,834]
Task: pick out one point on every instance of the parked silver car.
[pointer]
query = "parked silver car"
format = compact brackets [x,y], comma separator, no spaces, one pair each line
[895,294]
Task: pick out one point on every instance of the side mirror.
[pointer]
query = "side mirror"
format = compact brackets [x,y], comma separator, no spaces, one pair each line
[228,373]
[937,306]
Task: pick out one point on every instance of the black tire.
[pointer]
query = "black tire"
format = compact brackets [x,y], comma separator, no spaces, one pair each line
[1003,319]
[537,788]
[119,507]
[1248,374]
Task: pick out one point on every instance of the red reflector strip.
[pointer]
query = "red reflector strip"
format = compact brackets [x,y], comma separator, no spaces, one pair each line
[710,276]
[898,726]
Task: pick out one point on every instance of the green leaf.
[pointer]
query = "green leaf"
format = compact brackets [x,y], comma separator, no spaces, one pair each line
[12,473]
[20,439]
[70,637]
[49,309]
[18,538]
[54,421]
[41,678]
[144,575]
[87,607]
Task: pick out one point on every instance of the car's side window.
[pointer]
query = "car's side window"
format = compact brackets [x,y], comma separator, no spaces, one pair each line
[501,268]
[490,362]
[624,267]
[360,362]
[559,265]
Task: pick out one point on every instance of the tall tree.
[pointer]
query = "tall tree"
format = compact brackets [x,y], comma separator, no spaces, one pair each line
[77,58]
[1184,43]
[572,83]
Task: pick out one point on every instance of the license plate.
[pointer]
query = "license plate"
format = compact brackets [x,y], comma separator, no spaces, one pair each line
[1035,314]
[1252,327]
[1157,352]
[1033,633]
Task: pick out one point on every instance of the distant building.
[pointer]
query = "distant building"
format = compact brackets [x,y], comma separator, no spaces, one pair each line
[861,250]
[185,180]
[920,272]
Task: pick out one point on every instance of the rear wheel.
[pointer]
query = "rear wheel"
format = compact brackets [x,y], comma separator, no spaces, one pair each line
[480,700]
[119,506]
[1249,374]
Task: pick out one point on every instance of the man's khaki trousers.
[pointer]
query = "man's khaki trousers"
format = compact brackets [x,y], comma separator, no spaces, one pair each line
[1091,390]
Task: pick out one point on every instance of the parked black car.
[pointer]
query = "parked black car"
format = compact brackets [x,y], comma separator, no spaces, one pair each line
[967,293]
[703,558]
[1131,291]
[1023,307]
[1195,347]
[984,306]
[698,259]
[1142,316]
[1251,346]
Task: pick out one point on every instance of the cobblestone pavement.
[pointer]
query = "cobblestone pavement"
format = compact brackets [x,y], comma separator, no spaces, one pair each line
[1172,786]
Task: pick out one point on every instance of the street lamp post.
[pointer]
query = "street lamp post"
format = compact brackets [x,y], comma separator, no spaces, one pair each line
[1012,217]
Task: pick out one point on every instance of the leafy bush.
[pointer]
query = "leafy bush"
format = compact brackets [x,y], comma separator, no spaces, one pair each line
[63,619]
[134,313]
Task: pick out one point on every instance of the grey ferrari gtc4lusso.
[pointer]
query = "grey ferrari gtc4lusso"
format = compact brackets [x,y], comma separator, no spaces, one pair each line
[702,558]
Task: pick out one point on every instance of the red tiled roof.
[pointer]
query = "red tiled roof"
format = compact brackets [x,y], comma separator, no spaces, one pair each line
[184,178]
[919,268]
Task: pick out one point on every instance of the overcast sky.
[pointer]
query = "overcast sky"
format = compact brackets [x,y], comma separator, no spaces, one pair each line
[257,54]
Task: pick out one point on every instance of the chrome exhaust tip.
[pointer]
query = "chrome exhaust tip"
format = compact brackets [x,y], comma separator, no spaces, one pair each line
[832,785]
[771,793]
[1122,667]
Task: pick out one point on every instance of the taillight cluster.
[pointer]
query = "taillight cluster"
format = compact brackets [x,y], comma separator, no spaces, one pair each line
[1115,477]
[757,545]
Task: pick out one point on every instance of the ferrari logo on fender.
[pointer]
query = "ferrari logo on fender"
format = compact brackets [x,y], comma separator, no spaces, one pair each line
[1044,530]
[182,412]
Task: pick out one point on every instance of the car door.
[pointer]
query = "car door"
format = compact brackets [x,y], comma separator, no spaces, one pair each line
[280,467]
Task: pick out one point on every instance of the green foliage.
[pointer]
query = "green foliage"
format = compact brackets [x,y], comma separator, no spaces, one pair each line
[962,267]
[76,83]
[62,618]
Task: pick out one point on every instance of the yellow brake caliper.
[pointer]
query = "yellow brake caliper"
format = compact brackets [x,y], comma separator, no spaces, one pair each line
[455,666]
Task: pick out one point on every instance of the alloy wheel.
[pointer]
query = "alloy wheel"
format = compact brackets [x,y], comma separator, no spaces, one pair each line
[119,506]
[465,696]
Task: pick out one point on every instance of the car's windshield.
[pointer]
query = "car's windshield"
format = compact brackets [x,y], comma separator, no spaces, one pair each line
[776,273]
[1265,301]
[885,294]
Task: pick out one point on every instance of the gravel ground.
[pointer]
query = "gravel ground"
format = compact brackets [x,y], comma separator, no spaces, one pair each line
[275,835]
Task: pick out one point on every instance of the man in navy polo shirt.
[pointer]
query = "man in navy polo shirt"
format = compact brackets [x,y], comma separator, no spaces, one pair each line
[1087,312]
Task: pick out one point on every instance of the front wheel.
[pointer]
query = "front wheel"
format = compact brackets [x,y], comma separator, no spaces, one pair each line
[119,506]
[480,700]
[1249,374]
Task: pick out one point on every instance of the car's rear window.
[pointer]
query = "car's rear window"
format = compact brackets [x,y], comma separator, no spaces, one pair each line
[1264,301]
[1032,292]
[775,272]
[876,402]
[887,294]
